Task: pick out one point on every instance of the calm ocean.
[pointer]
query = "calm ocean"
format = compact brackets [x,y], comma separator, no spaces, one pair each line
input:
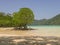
[44,26]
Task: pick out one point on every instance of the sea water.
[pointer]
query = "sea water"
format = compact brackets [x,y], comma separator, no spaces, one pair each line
[45,26]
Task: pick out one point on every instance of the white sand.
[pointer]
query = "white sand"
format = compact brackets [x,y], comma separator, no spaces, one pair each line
[7,35]
[38,32]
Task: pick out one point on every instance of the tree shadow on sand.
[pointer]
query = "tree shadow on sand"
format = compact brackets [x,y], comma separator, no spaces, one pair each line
[18,28]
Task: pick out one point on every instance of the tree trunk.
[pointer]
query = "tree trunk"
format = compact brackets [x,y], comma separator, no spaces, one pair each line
[25,26]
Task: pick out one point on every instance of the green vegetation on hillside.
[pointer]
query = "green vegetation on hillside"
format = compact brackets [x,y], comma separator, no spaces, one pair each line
[52,21]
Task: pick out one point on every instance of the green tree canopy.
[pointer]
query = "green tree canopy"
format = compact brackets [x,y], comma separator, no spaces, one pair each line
[5,19]
[23,17]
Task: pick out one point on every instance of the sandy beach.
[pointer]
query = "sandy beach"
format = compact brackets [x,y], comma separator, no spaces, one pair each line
[39,36]
[37,32]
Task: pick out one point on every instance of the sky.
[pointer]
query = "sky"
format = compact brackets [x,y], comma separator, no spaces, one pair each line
[42,9]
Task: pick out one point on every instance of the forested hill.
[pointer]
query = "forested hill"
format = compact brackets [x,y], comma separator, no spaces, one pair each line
[52,21]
